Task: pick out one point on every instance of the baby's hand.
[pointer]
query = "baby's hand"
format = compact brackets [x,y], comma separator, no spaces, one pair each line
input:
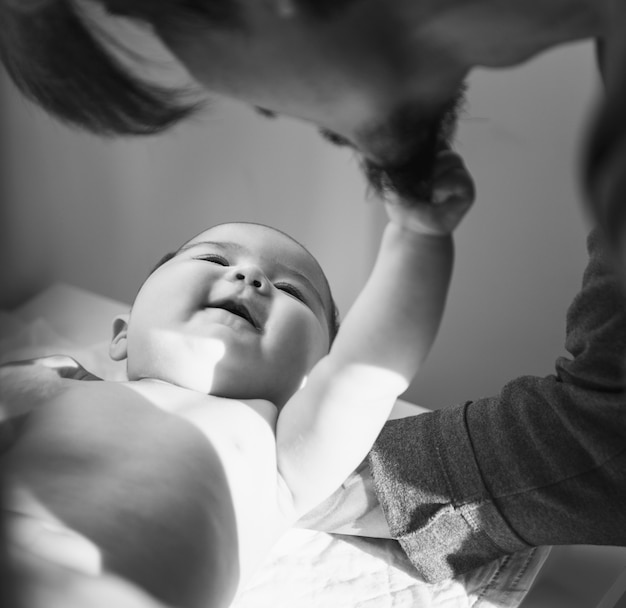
[453,195]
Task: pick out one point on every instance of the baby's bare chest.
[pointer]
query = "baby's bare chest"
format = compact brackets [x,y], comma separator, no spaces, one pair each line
[100,438]
[244,436]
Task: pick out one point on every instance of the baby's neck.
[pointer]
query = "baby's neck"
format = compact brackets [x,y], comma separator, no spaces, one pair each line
[165,395]
[176,399]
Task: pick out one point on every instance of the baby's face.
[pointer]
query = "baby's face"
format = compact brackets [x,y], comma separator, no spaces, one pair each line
[241,311]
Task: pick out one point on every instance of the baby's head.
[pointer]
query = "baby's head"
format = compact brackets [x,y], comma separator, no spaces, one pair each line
[240,311]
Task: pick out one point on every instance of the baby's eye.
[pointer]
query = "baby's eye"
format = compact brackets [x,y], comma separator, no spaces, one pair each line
[291,290]
[214,258]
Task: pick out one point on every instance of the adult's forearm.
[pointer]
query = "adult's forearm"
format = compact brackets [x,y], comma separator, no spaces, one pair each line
[543,462]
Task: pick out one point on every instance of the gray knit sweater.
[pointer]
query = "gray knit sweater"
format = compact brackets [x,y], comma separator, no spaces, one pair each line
[542,463]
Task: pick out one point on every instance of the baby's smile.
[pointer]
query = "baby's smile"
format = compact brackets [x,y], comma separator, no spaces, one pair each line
[239,310]
[235,311]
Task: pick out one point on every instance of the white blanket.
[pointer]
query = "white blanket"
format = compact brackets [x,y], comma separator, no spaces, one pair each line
[306,569]
[317,570]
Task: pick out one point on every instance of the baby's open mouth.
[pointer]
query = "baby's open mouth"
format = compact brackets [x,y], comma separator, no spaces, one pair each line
[239,309]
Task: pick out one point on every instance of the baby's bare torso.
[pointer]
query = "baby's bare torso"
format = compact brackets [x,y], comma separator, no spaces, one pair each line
[169,483]
[243,433]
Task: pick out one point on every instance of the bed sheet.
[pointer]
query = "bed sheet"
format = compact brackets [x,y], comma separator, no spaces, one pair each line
[306,569]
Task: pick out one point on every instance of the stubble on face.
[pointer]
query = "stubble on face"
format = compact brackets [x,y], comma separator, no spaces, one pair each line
[405,147]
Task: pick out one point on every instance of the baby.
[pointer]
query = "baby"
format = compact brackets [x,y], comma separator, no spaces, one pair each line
[243,409]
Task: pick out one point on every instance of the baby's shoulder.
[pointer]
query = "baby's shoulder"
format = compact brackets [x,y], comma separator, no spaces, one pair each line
[25,385]
[63,366]
[30,387]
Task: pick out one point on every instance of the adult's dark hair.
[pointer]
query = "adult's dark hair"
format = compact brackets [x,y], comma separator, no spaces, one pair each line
[60,58]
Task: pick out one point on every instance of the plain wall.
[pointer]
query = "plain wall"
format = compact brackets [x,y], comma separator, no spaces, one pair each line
[99,214]
[521,250]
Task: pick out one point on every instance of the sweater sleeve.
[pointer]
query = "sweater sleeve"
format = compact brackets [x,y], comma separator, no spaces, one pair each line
[542,463]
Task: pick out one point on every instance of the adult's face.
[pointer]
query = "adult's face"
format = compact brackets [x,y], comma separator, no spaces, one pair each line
[381,75]
[361,75]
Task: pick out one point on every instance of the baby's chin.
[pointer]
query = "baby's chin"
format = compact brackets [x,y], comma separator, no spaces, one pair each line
[222,375]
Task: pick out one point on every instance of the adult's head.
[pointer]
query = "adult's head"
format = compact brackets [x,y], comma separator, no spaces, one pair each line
[240,311]
[385,76]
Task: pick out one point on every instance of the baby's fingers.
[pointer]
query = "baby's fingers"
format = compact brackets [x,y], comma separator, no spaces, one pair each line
[452,182]
[452,195]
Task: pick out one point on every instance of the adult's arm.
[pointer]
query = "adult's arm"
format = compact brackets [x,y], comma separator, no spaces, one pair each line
[542,463]
[604,173]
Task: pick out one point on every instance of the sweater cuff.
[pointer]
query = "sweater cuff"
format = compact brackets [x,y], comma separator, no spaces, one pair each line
[433,496]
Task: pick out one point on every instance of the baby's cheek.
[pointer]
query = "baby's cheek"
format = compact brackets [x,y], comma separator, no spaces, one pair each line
[307,345]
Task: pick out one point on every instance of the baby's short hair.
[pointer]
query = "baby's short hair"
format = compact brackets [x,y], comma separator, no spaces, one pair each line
[332,315]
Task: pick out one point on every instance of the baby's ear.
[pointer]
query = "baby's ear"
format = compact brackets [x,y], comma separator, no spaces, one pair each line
[118,349]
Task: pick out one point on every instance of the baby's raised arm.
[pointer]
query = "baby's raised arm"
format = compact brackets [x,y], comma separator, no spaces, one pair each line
[327,428]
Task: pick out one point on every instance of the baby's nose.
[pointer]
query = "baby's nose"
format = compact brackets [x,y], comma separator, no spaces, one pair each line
[250,275]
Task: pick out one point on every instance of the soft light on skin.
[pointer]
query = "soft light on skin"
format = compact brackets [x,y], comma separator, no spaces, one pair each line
[180,332]
[210,351]
[198,367]
[359,73]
